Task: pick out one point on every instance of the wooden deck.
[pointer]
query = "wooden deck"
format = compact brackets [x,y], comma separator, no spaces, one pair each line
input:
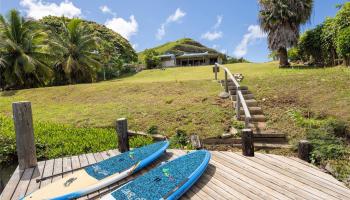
[229,176]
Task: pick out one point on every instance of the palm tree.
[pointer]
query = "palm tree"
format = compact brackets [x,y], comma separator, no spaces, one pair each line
[77,50]
[24,54]
[281,20]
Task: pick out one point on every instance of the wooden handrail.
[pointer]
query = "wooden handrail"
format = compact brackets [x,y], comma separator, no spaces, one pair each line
[245,108]
[240,101]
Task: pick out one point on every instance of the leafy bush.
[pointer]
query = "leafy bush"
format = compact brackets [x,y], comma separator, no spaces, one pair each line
[343,44]
[153,130]
[180,140]
[151,59]
[237,124]
[56,140]
[294,55]
[140,141]
[326,146]
[310,45]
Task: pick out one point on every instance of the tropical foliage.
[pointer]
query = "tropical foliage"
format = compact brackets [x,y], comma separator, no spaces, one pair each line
[24,52]
[58,50]
[76,49]
[151,58]
[328,42]
[281,20]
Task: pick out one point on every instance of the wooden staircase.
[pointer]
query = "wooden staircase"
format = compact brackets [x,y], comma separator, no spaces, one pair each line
[258,120]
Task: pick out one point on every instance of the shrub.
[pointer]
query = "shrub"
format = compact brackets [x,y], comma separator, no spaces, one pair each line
[56,140]
[140,141]
[152,130]
[343,44]
[294,55]
[151,59]
[310,45]
[326,146]
[179,140]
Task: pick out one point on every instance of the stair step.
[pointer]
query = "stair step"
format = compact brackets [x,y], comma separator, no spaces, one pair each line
[257,126]
[233,87]
[249,102]
[246,97]
[233,92]
[253,110]
[255,118]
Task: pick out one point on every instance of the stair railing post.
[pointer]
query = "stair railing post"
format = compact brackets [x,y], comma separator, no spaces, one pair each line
[216,71]
[25,144]
[226,82]
[123,137]
[247,142]
[238,105]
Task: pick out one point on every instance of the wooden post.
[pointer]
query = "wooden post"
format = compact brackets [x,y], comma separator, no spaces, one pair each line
[238,106]
[195,141]
[2,187]
[304,149]
[247,142]
[226,82]
[122,132]
[23,121]
[216,71]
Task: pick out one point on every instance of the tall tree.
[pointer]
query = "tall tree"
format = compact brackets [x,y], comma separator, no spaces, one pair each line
[281,20]
[24,52]
[77,48]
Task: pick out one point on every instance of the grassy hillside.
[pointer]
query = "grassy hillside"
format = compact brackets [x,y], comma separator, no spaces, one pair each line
[171,99]
[186,98]
[180,46]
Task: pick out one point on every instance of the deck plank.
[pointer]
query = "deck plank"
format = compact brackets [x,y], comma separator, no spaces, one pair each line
[67,165]
[228,176]
[48,171]
[23,184]
[37,174]
[305,178]
[265,188]
[289,183]
[57,169]
[12,184]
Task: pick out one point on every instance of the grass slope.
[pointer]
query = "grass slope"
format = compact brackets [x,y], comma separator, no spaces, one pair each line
[178,98]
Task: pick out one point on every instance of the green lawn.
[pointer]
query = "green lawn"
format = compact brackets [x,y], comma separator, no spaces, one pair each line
[186,98]
[177,98]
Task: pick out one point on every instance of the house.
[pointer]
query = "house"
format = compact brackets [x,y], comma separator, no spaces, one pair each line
[190,59]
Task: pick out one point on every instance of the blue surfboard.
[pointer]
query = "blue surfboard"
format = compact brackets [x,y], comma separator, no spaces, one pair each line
[101,174]
[168,181]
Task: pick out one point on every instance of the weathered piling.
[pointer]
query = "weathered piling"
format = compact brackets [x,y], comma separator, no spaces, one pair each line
[247,142]
[304,149]
[23,121]
[123,137]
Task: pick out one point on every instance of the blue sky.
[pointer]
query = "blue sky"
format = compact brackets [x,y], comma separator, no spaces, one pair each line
[227,25]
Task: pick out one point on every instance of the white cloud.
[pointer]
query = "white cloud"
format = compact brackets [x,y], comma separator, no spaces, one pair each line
[38,9]
[135,46]
[175,17]
[160,32]
[123,27]
[219,19]
[178,15]
[254,33]
[214,35]
[105,9]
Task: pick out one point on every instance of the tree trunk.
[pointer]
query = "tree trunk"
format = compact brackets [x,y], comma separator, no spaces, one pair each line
[283,57]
